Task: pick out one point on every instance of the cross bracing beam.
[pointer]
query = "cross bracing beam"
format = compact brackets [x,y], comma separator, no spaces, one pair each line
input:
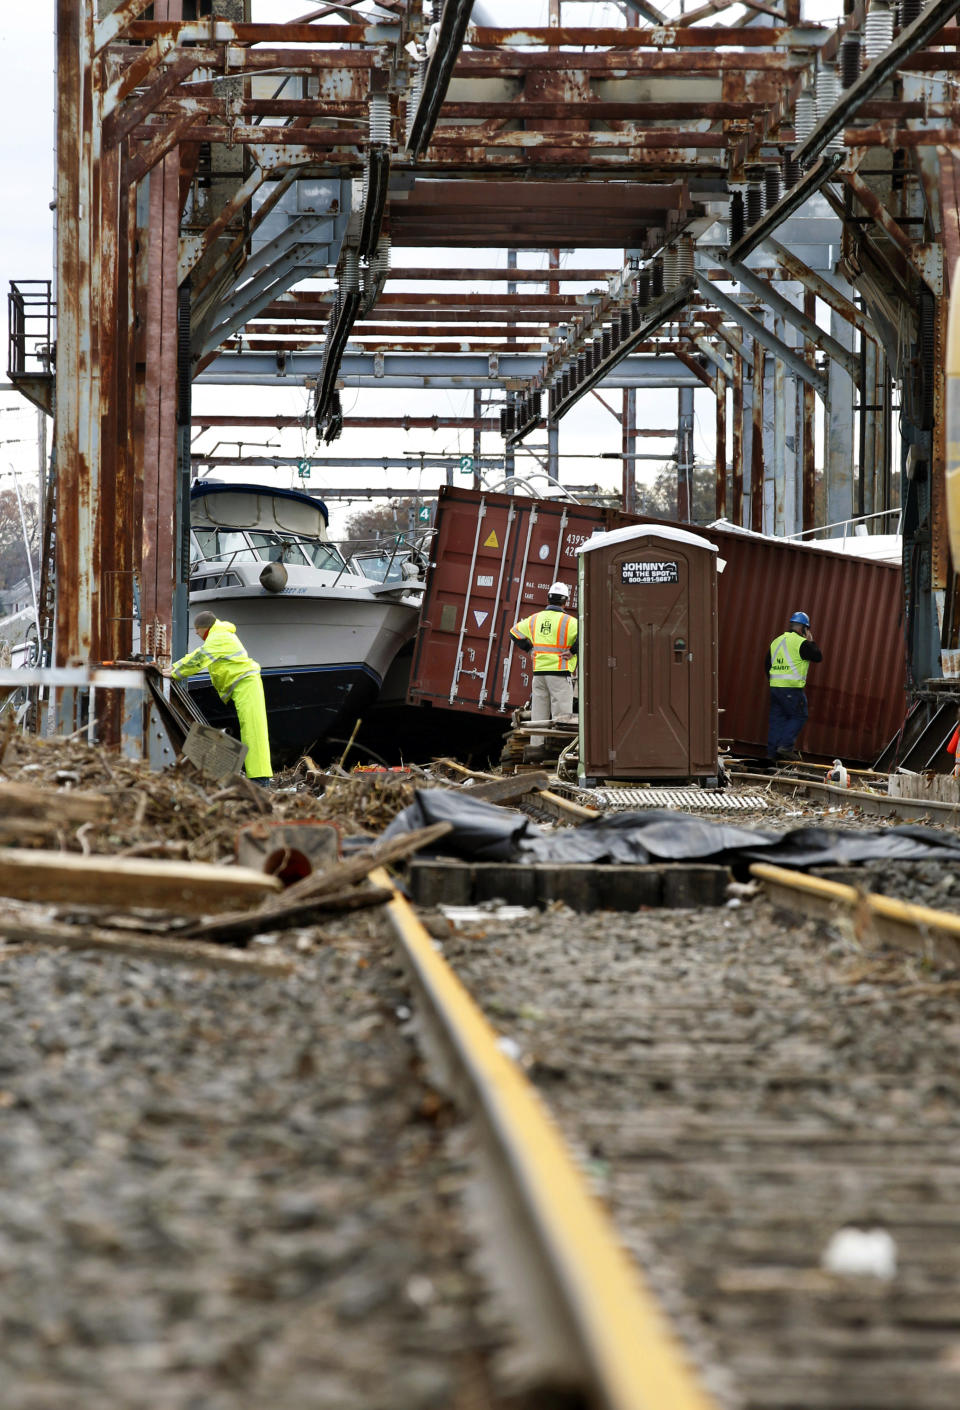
[764,337]
[436,370]
[810,330]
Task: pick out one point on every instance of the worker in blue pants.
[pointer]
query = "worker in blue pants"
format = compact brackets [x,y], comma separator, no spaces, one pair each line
[787,662]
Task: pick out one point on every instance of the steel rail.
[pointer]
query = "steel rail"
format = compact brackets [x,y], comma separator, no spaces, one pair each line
[884,918]
[593,1321]
[879,804]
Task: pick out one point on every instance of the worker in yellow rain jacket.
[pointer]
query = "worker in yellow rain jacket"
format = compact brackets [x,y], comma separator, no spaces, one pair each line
[550,635]
[235,677]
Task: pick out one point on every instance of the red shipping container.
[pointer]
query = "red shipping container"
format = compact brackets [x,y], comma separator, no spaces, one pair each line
[495,555]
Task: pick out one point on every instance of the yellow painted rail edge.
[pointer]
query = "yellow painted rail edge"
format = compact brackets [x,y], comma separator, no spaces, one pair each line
[629,1355]
[886,911]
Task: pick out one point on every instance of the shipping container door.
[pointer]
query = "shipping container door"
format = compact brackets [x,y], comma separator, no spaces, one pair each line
[649,649]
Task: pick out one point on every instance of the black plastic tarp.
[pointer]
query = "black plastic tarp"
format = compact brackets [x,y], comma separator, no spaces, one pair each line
[484,832]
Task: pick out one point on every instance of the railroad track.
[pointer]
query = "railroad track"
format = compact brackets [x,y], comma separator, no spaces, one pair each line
[747,1093]
[876,804]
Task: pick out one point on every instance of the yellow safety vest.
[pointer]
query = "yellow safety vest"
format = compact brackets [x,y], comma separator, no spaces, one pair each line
[787,666]
[223,656]
[554,637]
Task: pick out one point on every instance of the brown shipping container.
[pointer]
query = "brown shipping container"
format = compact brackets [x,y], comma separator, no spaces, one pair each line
[648,655]
[494,556]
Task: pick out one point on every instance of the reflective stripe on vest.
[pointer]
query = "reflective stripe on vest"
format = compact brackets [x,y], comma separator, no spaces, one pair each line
[550,632]
[787,666]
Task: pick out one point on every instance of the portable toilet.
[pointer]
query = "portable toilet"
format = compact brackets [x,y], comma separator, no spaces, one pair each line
[648,655]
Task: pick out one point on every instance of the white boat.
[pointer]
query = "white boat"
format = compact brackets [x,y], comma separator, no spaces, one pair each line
[324,628]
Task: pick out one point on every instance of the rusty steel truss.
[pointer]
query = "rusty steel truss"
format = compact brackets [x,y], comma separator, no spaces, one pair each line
[230,193]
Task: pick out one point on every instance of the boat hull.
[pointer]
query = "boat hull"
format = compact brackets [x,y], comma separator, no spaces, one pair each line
[322,658]
[304,705]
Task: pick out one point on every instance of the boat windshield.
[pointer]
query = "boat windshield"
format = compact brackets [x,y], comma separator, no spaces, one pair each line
[253,545]
[381,565]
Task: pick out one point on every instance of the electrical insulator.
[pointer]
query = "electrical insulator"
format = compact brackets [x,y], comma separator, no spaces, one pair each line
[380,119]
[877,30]
[754,204]
[738,223]
[643,288]
[804,116]
[828,91]
[624,323]
[657,288]
[791,171]
[771,186]
[671,276]
[849,61]
[350,273]
[685,260]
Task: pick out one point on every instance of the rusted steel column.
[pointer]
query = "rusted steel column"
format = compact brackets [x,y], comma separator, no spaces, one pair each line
[756,444]
[628,422]
[808,438]
[737,446]
[779,445]
[73,607]
[720,500]
[160,397]
[477,433]
[160,385]
[870,426]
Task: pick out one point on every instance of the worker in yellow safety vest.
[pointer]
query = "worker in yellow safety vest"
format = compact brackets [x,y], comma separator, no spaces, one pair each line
[550,636]
[237,678]
[788,659]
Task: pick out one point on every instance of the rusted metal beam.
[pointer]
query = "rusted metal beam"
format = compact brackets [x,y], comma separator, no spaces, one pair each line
[670,36]
[894,232]
[495,275]
[892,136]
[816,284]
[756,439]
[522,107]
[73,625]
[373,423]
[112,26]
[120,122]
[736,448]
[720,482]
[785,309]
[147,156]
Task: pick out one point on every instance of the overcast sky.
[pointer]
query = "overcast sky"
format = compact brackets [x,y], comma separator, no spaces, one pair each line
[27,174]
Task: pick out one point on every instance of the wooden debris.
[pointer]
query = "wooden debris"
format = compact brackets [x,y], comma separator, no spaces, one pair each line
[234,929]
[505,790]
[35,931]
[56,806]
[332,881]
[185,887]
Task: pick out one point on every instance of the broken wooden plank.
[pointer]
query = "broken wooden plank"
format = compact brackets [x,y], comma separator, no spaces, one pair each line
[29,930]
[356,868]
[238,929]
[56,805]
[333,881]
[505,790]
[189,888]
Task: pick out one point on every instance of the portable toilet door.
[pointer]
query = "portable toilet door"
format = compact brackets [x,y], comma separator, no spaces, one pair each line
[648,655]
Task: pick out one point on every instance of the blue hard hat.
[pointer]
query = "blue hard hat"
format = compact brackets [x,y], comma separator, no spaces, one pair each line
[802,618]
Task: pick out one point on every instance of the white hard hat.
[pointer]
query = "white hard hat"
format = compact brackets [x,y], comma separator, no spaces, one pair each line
[558,590]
